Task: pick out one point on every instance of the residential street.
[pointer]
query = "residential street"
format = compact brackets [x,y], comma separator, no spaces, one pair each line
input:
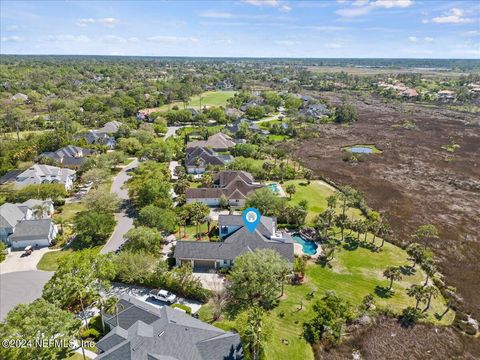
[124,218]
[21,287]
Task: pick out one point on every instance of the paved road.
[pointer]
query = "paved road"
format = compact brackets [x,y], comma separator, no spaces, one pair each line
[21,287]
[124,218]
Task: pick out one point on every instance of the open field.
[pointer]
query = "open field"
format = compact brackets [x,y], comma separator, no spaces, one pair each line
[209,98]
[413,181]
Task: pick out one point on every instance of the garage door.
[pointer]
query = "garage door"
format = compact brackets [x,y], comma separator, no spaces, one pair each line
[22,244]
[203,265]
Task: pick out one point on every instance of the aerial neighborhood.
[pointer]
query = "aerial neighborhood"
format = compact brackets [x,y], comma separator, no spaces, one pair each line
[237,208]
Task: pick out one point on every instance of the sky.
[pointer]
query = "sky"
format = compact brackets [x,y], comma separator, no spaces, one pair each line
[243,28]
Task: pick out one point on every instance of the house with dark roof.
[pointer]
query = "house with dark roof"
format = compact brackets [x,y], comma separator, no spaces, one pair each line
[140,331]
[316,111]
[216,142]
[102,136]
[198,158]
[235,240]
[235,186]
[69,156]
[252,127]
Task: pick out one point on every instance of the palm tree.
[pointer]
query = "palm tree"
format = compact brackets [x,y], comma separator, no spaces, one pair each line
[112,305]
[341,221]
[430,269]
[417,292]
[40,211]
[416,252]
[432,292]
[392,273]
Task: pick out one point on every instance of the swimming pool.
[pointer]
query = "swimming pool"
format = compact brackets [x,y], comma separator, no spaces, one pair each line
[308,247]
[274,187]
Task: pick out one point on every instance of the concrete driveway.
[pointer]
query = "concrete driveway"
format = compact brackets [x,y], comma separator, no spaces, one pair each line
[142,294]
[210,280]
[125,217]
[21,287]
[15,262]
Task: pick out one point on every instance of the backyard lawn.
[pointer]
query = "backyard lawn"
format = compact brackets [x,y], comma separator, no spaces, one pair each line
[316,194]
[49,261]
[353,275]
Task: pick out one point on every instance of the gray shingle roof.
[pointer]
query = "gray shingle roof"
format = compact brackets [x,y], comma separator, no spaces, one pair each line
[10,215]
[173,335]
[236,244]
[32,229]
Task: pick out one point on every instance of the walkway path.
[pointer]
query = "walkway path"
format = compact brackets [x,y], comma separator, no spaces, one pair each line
[124,218]
[171,131]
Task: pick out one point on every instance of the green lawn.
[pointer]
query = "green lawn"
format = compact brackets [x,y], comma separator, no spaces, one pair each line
[209,98]
[69,211]
[49,261]
[353,275]
[316,194]
[22,134]
[190,129]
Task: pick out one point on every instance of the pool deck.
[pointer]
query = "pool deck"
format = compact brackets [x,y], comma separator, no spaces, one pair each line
[298,250]
[280,192]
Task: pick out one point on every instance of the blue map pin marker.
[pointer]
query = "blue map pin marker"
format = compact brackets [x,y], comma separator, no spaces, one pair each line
[251,218]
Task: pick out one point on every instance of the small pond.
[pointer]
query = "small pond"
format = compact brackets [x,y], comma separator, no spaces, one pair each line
[308,247]
[362,149]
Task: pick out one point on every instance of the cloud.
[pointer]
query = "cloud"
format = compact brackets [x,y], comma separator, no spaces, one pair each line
[453,16]
[271,3]
[69,38]
[363,7]
[109,22]
[471,33]
[223,41]
[428,39]
[285,8]
[216,14]
[333,45]
[13,38]
[286,42]
[172,39]
[412,38]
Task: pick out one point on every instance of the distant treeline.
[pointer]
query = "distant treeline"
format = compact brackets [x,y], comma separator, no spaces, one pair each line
[438,64]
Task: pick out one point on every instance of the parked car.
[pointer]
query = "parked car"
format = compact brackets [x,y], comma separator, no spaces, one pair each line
[163,295]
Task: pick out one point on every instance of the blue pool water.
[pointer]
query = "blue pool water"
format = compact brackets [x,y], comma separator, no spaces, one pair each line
[360,149]
[308,247]
[273,187]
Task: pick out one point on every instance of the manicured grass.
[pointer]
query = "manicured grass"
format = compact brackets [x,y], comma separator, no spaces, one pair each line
[209,98]
[69,211]
[266,124]
[191,129]
[192,230]
[77,356]
[353,275]
[277,138]
[316,194]
[22,134]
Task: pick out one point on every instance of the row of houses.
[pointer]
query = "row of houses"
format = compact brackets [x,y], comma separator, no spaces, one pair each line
[27,224]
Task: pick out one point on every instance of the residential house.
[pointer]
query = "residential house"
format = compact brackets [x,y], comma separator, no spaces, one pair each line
[102,136]
[20,227]
[45,174]
[252,127]
[446,95]
[141,331]
[35,233]
[198,158]
[69,156]
[235,240]
[20,97]
[216,142]
[254,102]
[316,111]
[233,113]
[235,186]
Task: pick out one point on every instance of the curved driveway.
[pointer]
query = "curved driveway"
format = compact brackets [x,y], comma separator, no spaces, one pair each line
[124,218]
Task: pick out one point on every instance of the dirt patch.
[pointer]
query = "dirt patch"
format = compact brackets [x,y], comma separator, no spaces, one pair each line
[386,339]
[414,181]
